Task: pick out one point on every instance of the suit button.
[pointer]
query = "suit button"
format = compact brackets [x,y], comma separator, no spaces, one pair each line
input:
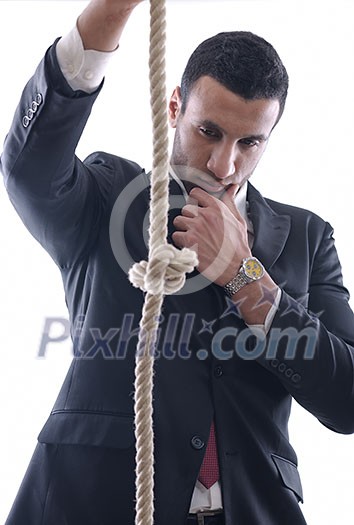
[197,443]
[30,114]
[39,98]
[25,121]
[289,372]
[282,368]
[218,371]
[34,106]
[274,363]
[296,378]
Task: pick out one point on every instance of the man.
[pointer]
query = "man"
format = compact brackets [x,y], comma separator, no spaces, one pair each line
[233,348]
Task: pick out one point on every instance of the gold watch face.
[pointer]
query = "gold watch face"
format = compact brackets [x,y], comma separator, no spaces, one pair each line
[253,268]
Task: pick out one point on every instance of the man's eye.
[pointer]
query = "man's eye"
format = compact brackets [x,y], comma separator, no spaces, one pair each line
[208,132]
[249,142]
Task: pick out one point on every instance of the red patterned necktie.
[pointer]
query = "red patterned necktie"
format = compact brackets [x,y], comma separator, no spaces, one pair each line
[209,472]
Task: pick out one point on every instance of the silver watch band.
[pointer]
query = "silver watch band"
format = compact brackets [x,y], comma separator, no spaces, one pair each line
[238,282]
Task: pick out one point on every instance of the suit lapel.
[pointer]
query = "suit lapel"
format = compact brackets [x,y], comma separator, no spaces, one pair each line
[270,229]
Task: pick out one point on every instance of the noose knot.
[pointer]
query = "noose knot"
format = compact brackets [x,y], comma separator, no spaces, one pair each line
[165,271]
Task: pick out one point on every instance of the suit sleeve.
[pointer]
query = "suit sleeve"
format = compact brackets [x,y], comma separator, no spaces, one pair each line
[56,195]
[311,350]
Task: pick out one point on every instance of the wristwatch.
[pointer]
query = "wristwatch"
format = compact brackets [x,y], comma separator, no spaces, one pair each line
[251,270]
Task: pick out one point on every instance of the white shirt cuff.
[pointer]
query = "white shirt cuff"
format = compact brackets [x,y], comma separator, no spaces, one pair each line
[264,328]
[83,69]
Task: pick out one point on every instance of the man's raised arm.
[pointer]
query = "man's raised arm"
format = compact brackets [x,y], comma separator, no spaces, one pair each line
[41,172]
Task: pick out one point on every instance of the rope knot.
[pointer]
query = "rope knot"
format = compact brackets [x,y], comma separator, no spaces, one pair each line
[165,271]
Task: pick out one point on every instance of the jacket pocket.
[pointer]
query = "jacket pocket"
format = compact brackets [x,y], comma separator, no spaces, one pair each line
[289,475]
[88,428]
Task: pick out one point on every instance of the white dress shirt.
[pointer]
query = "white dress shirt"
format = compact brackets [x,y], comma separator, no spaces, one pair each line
[84,70]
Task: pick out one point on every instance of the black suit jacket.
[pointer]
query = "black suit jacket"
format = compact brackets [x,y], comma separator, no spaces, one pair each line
[209,365]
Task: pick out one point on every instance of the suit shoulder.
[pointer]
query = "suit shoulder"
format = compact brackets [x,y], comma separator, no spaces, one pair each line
[297,213]
[304,220]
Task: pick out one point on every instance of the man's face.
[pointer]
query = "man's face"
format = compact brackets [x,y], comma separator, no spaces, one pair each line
[220,137]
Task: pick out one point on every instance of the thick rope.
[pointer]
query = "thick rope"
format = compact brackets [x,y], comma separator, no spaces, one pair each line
[163,273]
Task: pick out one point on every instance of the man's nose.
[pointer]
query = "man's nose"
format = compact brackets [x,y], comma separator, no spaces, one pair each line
[222,161]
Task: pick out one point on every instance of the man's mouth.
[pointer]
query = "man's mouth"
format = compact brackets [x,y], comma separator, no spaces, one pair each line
[209,186]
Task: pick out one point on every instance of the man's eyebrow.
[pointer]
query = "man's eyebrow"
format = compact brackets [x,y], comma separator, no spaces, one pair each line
[213,125]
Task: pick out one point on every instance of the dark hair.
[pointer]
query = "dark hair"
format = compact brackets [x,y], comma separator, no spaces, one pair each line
[241,61]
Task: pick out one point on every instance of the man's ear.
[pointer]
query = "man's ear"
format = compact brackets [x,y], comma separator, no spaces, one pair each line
[174,107]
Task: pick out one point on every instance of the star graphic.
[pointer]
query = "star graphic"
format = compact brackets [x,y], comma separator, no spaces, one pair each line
[232,308]
[291,308]
[267,297]
[294,308]
[315,315]
[207,326]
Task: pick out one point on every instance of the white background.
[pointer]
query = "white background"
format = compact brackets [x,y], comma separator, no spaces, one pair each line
[308,163]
